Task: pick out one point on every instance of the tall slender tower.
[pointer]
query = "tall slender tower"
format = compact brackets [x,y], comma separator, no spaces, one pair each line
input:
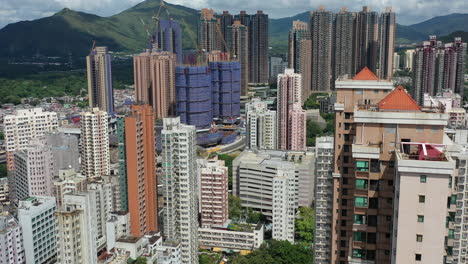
[141,170]
[154,74]
[424,69]
[321,23]
[366,40]
[94,140]
[180,187]
[289,93]
[226,20]
[386,44]
[237,41]
[100,92]
[343,46]
[225,83]
[208,31]
[299,54]
[168,37]
[258,48]
[460,49]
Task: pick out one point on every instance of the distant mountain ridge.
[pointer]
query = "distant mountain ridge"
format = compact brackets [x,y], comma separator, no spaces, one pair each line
[70,31]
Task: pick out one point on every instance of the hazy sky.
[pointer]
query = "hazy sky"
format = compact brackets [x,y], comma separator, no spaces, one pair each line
[408,11]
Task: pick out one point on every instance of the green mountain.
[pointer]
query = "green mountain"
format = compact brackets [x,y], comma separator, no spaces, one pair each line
[70,31]
[73,32]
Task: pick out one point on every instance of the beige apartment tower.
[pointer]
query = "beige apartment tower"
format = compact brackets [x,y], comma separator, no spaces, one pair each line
[374,124]
[100,91]
[154,74]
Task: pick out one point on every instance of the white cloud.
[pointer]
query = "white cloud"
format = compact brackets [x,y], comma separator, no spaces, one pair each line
[408,11]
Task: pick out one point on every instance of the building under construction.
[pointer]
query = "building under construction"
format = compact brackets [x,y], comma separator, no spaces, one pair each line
[194,95]
[225,80]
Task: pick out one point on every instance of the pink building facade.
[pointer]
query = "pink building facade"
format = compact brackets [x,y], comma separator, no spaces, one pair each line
[213,193]
[291,117]
[297,128]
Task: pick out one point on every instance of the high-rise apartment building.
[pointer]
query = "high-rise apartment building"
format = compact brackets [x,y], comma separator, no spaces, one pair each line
[297,128]
[180,187]
[213,192]
[168,37]
[64,151]
[460,49]
[277,66]
[408,63]
[396,62]
[140,164]
[68,182]
[423,188]
[285,198]
[424,69]
[257,25]
[76,224]
[255,171]
[237,41]
[323,199]
[343,44]
[225,83]
[39,227]
[225,21]
[261,125]
[24,125]
[437,68]
[386,43]
[11,241]
[154,74]
[321,23]
[94,140]
[291,129]
[299,54]
[34,167]
[209,31]
[101,194]
[366,40]
[373,123]
[194,96]
[100,91]
[258,47]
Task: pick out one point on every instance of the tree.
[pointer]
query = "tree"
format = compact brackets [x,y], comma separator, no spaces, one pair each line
[235,207]
[2,135]
[277,252]
[228,163]
[305,223]
[3,171]
[140,260]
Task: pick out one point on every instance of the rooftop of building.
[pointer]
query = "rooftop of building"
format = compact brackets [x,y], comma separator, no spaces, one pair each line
[129,239]
[399,100]
[231,225]
[365,75]
[276,158]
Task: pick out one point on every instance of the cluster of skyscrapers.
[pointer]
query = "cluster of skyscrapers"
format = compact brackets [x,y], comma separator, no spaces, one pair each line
[337,44]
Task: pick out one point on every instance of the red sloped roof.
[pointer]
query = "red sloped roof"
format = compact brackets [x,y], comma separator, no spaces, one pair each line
[366,75]
[399,99]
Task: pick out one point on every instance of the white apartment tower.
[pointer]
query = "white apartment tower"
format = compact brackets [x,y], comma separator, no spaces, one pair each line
[34,168]
[180,187]
[25,125]
[323,199]
[409,55]
[95,159]
[11,241]
[77,230]
[213,192]
[285,203]
[261,125]
[36,218]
